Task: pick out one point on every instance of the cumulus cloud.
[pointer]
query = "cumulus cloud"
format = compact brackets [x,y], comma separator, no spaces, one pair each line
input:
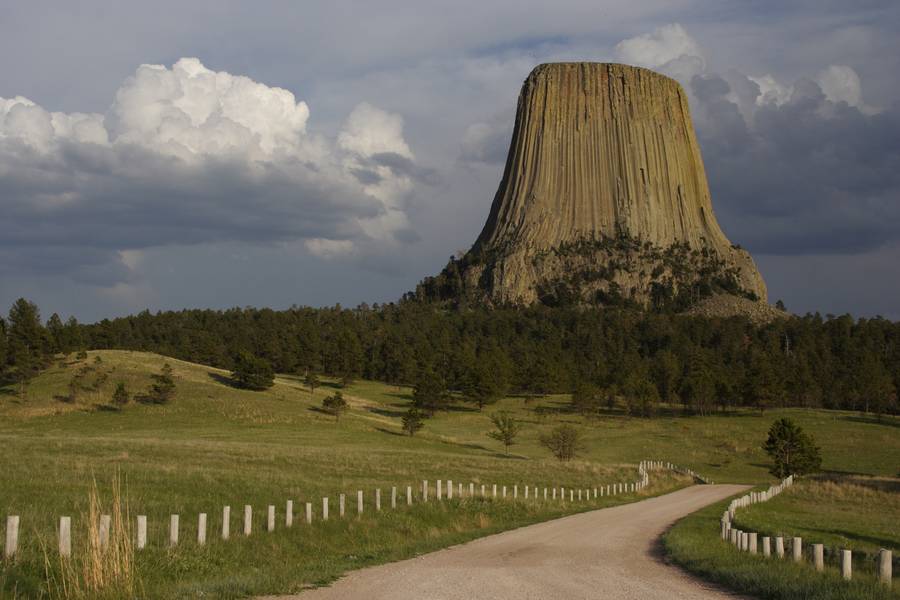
[188,155]
[669,49]
[809,174]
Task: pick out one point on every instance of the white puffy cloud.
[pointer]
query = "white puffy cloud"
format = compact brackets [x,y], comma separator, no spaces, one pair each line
[188,155]
[771,91]
[668,48]
[841,83]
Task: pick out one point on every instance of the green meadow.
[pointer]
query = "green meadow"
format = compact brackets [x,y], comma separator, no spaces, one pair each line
[215,445]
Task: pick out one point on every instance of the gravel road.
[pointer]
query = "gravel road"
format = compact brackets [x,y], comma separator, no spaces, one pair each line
[609,553]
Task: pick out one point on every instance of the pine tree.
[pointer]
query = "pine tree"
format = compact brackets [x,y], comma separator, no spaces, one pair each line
[163,388]
[26,341]
[335,405]
[412,421]
[120,396]
[430,394]
[252,372]
[792,450]
[311,380]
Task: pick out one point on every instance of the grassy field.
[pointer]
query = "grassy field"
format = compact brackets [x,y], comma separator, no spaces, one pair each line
[844,517]
[216,445]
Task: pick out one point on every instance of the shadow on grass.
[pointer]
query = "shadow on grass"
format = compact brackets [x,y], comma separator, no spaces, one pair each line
[392,432]
[872,420]
[396,414]
[223,379]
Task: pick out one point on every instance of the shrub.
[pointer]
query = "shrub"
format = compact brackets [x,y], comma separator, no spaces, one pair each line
[563,441]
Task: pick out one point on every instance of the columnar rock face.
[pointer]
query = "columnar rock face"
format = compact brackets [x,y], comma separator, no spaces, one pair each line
[604,199]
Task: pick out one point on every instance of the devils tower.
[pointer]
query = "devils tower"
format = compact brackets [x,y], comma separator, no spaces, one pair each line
[604,200]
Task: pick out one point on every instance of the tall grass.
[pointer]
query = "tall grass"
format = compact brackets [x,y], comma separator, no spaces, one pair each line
[101,570]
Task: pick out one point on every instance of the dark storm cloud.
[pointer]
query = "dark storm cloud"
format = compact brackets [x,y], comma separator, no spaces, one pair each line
[809,176]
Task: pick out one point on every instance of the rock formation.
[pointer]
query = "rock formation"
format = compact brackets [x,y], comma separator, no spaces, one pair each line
[604,200]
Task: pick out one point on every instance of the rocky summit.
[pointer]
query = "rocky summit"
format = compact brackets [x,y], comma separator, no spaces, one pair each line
[603,201]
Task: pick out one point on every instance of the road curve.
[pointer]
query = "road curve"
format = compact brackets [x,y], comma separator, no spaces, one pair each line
[608,553]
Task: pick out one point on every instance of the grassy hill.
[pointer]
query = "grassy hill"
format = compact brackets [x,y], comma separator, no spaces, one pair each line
[215,445]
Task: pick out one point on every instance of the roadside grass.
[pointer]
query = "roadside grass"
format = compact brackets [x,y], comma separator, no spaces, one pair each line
[216,445]
[855,513]
[841,515]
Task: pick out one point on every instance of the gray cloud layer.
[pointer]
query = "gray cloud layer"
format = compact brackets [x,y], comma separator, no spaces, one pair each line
[797,119]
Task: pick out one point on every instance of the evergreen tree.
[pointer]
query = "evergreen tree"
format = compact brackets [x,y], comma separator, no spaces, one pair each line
[507,429]
[697,387]
[120,396]
[26,342]
[312,381]
[252,372]
[412,421]
[483,386]
[641,395]
[163,388]
[563,441]
[56,334]
[3,350]
[335,405]
[792,450]
[587,399]
[430,395]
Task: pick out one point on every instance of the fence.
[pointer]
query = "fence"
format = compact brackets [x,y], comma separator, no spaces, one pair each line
[439,490]
[749,541]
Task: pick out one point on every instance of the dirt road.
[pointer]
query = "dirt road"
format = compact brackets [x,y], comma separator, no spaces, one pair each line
[610,553]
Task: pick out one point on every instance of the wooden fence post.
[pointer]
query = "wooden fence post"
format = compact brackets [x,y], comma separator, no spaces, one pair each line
[471,489]
[65,536]
[504,491]
[526,492]
[797,548]
[325,509]
[173,531]
[248,519]
[141,532]
[819,557]
[449,489]
[460,490]
[515,491]
[309,513]
[439,490]
[103,532]
[779,547]
[341,502]
[12,536]
[289,513]
[409,495]
[885,567]
[847,564]
[425,491]
[201,529]
[378,499]
[226,522]
[753,542]
[394,497]
[767,546]
[270,520]
[495,490]
[359,502]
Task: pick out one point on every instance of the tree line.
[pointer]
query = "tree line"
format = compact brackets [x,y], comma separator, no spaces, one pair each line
[618,358]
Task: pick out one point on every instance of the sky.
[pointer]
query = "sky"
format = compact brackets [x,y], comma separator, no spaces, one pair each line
[174,155]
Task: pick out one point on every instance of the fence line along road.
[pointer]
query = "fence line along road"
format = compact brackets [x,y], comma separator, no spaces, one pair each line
[443,491]
[745,541]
